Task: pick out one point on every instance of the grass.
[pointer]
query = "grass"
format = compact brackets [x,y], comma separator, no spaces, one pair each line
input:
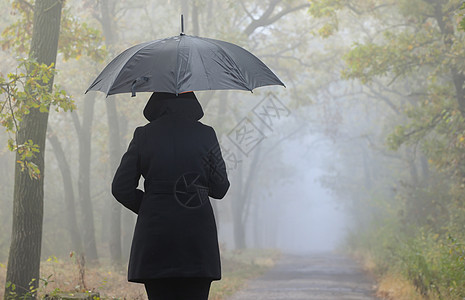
[65,275]
[390,285]
[395,287]
[420,265]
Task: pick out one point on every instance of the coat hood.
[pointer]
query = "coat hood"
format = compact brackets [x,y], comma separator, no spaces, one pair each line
[185,104]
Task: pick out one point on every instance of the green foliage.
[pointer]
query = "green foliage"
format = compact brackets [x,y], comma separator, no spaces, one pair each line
[400,54]
[77,38]
[26,89]
[433,263]
[415,264]
[327,10]
[32,291]
[462,21]
[29,87]
[21,28]
[13,293]
[415,49]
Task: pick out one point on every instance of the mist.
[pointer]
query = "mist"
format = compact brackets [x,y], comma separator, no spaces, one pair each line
[311,220]
[360,155]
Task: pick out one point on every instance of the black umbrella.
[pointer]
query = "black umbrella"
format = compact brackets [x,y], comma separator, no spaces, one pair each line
[183,63]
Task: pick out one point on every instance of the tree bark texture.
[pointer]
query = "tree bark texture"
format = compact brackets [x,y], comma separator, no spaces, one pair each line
[241,205]
[70,207]
[115,156]
[447,30]
[84,133]
[28,202]
[238,205]
[108,26]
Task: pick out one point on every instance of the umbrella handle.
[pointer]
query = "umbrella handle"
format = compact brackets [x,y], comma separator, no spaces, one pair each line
[136,83]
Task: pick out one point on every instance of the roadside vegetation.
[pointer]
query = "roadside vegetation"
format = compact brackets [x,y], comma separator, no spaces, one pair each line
[72,275]
[420,264]
[400,169]
[382,81]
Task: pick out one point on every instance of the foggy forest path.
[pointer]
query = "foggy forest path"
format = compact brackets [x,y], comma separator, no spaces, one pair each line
[307,277]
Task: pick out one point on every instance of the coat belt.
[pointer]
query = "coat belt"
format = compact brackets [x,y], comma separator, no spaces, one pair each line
[159,187]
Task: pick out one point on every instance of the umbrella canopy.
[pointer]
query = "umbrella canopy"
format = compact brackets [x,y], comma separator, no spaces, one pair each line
[183,63]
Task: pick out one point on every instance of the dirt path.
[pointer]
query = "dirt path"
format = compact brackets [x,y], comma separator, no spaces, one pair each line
[316,276]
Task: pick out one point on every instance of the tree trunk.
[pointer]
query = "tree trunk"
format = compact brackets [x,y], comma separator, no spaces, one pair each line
[238,204]
[70,208]
[241,205]
[115,156]
[28,202]
[459,79]
[108,26]
[239,232]
[425,170]
[410,156]
[256,228]
[128,218]
[242,211]
[84,130]
[366,169]
[447,30]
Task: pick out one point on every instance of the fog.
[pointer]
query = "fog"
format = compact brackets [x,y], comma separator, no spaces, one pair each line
[296,214]
[364,143]
[311,219]
[278,198]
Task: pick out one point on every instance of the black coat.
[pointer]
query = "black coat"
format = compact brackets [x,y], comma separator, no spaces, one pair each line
[172,238]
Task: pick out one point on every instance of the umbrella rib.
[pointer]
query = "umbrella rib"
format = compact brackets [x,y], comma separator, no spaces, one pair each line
[126,62]
[98,80]
[206,72]
[232,62]
[225,66]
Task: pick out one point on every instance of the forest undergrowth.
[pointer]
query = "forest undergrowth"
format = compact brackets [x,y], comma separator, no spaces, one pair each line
[73,275]
[412,263]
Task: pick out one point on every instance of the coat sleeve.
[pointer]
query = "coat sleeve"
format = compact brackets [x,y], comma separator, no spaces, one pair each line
[126,179]
[218,183]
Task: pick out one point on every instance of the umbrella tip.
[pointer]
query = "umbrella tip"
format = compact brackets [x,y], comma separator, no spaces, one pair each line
[182,24]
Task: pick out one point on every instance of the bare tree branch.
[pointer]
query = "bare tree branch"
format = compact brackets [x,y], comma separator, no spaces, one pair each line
[76,122]
[265,19]
[287,11]
[245,9]
[384,98]
[27,4]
